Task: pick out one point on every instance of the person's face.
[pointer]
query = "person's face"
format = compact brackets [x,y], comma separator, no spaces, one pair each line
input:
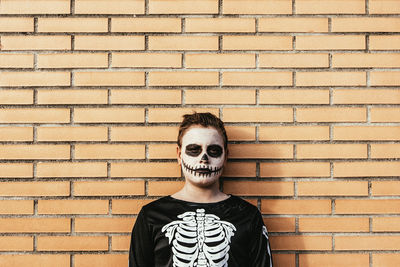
[202,155]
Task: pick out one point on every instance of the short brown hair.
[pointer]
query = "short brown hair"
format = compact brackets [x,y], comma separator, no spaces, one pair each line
[204,119]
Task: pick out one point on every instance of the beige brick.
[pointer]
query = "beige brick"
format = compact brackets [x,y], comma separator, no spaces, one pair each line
[257,7]
[382,42]
[295,169]
[16,207]
[367,206]
[34,189]
[301,242]
[330,7]
[106,7]
[71,169]
[35,260]
[72,25]
[13,24]
[294,60]
[366,96]
[291,24]
[259,188]
[108,115]
[17,133]
[72,133]
[295,133]
[108,188]
[386,224]
[185,42]
[16,170]
[257,78]
[388,78]
[220,97]
[347,188]
[245,42]
[16,97]
[298,206]
[147,60]
[371,242]
[16,61]
[284,260]
[364,24]
[69,206]
[386,259]
[35,225]
[326,78]
[100,260]
[384,7]
[146,25]
[72,243]
[25,78]
[220,25]
[289,96]
[331,114]
[146,169]
[174,114]
[336,259]
[382,151]
[16,243]
[115,78]
[146,96]
[220,61]
[144,133]
[183,78]
[72,96]
[366,169]
[35,7]
[128,206]
[268,151]
[239,169]
[257,114]
[70,60]
[100,42]
[162,151]
[34,115]
[109,151]
[385,115]
[366,133]
[385,188]
[330,42]
[343,224]
[331,151]
[241,133]
[359,60]
[183,7]
[8,152]
[120,243]
[162,188]
[39,42]
[280,224]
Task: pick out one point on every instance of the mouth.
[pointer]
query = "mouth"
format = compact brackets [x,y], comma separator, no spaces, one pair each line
[202,170]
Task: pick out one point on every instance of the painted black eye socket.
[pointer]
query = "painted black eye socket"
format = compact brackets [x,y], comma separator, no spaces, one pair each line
[214,151]
[193,150]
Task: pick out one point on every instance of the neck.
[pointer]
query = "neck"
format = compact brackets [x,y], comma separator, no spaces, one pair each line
[200,194]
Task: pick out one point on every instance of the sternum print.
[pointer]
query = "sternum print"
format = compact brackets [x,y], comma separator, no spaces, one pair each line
[200,216]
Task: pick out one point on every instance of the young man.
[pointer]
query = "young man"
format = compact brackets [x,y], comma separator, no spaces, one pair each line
[200,225]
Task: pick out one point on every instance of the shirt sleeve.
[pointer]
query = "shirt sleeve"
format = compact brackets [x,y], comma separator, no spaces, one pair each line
[141,252]
[260,251]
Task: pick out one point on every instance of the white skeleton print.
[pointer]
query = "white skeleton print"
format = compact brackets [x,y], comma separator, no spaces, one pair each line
[199,239]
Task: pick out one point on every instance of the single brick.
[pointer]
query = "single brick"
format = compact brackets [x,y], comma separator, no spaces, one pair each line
[367,206]
[370,242]
[298,206]
[146,60]
[325,78]
[16,243]
[72,133]
[16,97]
[295,133]
[16,61]
[71,169]
[100,42]
[69,206]
[109,151]
[162,151]
[366,133]
[246,42]
[339,224]
[104,225]
[294,60]
[72,243]
[16,170]
[259,188]
[368,169]
[384,7]
[144,133]
[336,259]
[183,78]
[100,260]
[183,7]
[331,114]
[241,133]
[70,60]
[14,24]
[34,115]
[146,25]
[39,42]
[146,169]
[360,60]
[34,151]
[115,78]
[211,61]
[258,114]
[128,206]
[108,188]
[174,114]
[382,42]
[17,133]
[72,25]
[382,151]
[366,96]
[291,24]
[287,260]
[35,7]
[293,96]
[257,7]
[261,151]
[331,151]
[385,188]
[280,224]
[295,169]
[16,207]
[13,79]
[35,260]
[120,243]
[108,115]
[35,225]
[365,24]
[162,188]
[257,78]
[239,169]
[185,42]
[220,96]
[329,188]
[71,96]
[385,259]
[330,42]
[330,7]
[220,25]
[301,242]
[385,115]
[386,224]
[388,78]
[114,7]
[147,96]
[34,189]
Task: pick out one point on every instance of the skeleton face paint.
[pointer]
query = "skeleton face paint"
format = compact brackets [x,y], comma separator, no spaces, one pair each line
[202,154]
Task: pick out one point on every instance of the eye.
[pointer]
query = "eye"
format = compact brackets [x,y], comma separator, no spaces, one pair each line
[193,150]
[214,151]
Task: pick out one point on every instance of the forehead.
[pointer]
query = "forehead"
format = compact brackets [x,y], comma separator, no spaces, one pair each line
[199,134]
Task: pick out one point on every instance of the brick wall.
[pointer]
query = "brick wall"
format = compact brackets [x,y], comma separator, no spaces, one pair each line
[92,92]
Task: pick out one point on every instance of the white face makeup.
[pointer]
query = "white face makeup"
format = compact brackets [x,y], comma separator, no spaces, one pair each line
[202,155]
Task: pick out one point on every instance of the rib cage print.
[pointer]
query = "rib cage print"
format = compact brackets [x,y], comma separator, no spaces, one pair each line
[199,239]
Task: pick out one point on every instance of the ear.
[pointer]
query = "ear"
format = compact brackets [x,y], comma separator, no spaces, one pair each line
[179,155]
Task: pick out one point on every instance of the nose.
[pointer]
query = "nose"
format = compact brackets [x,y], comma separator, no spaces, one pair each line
[204,158]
